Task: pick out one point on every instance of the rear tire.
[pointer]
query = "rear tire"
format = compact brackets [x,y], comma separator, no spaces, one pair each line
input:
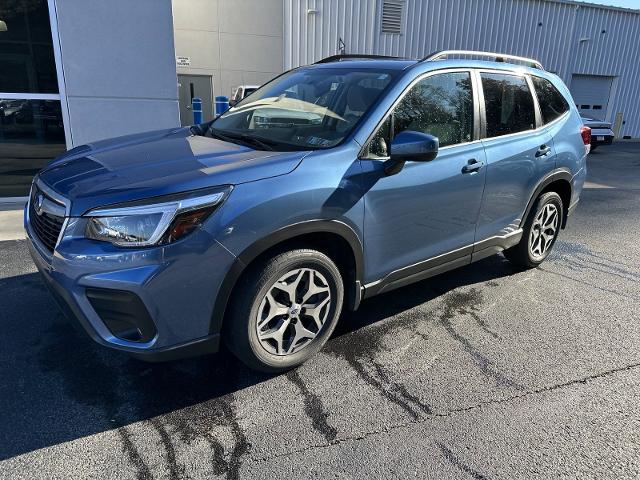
[284,310]
[539,233]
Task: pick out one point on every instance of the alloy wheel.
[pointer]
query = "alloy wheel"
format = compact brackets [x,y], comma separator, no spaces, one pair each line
[544,230]
[293,312]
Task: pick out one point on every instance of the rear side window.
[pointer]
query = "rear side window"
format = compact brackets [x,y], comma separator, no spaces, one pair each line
[552,103]
[508,103]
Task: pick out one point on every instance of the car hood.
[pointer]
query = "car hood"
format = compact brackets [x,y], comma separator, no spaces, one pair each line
[157,163]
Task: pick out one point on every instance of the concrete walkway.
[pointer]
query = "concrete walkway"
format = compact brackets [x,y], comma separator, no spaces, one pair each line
[11,221]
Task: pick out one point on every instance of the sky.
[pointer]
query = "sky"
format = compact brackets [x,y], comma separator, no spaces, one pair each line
[617,3]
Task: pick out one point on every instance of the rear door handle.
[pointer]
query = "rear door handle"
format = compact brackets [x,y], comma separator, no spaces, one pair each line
[472,165]
[543,150]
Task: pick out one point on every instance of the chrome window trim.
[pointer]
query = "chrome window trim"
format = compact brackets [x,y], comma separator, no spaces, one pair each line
[507,72]
[534,131]
[535,94]
[479,105]
[419,78]
[524,76]
[536,104]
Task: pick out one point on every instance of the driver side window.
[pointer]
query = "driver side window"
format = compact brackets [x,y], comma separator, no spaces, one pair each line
[440,105]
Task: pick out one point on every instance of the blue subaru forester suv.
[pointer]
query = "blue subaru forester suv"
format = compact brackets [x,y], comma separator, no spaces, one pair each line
[331,183]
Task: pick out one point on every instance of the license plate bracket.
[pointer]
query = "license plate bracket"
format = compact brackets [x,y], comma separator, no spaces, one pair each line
[600,138]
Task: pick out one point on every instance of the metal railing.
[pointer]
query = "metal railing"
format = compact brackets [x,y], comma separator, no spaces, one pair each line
[497,57]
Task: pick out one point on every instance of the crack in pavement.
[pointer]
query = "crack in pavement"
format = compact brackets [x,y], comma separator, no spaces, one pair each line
[450,413]
[597,287]
[578,257]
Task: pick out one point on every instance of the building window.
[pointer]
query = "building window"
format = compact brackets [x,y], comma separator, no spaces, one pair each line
[31,125]
[27,64]
[31,134]
[392,16]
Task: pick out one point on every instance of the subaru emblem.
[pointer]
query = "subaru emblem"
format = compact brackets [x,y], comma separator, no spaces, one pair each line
[39,202]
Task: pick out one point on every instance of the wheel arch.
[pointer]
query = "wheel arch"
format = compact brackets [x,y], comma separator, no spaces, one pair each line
[558,181]
[334,238]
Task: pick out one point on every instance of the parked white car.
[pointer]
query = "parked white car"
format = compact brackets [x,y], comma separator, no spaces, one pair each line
[601,133]
[241,91]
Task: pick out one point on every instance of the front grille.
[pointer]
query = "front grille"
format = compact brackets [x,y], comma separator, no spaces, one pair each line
[45,226]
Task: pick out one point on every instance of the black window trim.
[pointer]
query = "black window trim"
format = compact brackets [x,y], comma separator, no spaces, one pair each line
[483,111]
[479,119]
[362,155]
[535,96]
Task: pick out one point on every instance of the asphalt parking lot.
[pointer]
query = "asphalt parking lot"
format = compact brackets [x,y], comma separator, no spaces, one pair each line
[483,373]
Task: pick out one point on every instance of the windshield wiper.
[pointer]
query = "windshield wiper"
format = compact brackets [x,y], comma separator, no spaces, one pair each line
[219,136]
[265,144]
[244,138]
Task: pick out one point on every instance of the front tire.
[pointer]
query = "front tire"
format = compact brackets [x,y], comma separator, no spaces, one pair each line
[284,310]
[540,232]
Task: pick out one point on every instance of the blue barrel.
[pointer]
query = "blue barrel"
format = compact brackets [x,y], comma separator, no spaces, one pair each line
[196,105]
[222,104]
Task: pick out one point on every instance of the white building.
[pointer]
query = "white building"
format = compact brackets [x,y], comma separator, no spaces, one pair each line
[74,71]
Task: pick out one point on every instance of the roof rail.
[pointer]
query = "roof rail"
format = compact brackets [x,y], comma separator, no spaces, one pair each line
[354,56]
[497,57]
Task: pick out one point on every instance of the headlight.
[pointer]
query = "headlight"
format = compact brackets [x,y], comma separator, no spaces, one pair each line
[142,224]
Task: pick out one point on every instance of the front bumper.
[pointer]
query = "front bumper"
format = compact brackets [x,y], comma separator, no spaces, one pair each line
[177,285]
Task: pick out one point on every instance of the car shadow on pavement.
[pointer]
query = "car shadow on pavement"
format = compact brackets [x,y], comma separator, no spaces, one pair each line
[56,385]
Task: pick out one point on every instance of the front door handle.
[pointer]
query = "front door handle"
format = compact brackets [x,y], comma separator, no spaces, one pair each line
[543,150]
[472,165]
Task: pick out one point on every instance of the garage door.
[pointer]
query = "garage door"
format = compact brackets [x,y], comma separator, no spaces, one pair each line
[591,94]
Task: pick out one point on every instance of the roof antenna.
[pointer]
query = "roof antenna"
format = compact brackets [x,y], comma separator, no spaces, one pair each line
[341,47]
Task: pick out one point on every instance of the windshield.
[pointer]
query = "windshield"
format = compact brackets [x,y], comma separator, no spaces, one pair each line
[303,109]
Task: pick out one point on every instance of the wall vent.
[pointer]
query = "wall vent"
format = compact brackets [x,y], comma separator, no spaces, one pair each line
[392,16]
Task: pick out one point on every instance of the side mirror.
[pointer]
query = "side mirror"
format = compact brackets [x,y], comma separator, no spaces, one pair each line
[412,146]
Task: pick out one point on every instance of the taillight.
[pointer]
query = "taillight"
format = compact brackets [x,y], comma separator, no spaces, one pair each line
[585,133]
